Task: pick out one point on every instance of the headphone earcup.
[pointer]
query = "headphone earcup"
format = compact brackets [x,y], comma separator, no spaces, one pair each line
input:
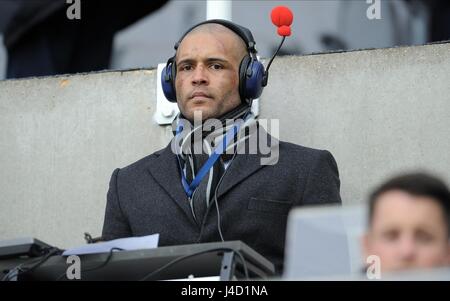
[168,81]
[251,76]
[242,77]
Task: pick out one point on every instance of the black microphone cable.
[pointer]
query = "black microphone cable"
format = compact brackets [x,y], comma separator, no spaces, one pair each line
[266,73]
[219,226]
[20,270]
[179,259]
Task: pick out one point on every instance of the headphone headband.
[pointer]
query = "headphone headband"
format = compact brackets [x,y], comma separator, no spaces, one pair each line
[244,33]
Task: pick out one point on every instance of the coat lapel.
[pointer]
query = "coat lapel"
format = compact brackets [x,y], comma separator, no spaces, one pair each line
[244,165]
[165,171]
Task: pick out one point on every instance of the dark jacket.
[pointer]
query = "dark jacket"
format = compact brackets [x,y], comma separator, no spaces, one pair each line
[99,16]
[42,41]
[147,197]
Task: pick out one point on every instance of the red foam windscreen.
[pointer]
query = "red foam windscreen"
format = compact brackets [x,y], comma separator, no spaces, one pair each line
[282,17]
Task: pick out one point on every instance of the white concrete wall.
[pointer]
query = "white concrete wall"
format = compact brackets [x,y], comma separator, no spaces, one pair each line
[378,111]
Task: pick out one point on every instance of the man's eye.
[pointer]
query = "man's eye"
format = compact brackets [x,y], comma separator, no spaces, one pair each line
[186,68]
[424,237]
[216,66]
[391,235]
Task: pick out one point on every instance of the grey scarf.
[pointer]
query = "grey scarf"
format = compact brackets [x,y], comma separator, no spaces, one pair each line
[196,145]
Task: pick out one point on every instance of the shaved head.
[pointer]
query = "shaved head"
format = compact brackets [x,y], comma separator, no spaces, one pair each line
[238,45]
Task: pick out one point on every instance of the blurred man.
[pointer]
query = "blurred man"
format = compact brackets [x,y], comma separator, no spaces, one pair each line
[409,223]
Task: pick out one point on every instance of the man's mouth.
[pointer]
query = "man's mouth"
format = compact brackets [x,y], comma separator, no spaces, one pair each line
[199,95]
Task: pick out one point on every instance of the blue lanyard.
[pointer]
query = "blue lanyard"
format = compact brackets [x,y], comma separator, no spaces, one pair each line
[190,188]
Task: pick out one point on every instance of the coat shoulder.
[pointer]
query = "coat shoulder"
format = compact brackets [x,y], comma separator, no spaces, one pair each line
[298,157]
[290,150]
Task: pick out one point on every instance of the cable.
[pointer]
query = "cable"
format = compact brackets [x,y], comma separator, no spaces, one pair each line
[37,262]
[176,260]
[108,259]
[16,269]
[276,52]
[219,227]
[244,264]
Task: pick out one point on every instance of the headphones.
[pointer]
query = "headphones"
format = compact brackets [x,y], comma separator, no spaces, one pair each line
[252,75]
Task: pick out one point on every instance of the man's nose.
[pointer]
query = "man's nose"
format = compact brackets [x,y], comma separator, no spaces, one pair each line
[407,248]
[200,77]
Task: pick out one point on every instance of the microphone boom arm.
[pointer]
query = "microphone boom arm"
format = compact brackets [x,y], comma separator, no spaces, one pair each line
[266,73]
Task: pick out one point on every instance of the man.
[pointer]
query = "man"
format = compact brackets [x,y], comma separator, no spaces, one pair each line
[238,198]
[409,223]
